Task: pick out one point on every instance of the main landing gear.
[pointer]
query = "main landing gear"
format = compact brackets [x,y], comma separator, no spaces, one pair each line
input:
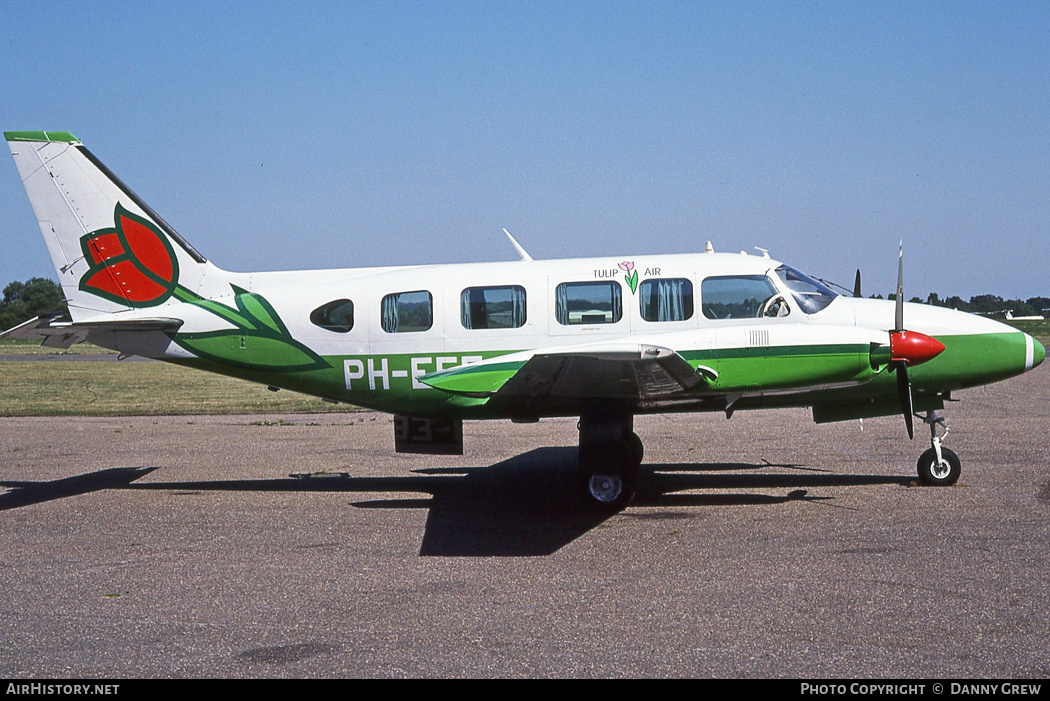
[609,458]
[938,466]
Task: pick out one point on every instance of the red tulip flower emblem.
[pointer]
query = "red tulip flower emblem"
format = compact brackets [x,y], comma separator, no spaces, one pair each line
[132,263]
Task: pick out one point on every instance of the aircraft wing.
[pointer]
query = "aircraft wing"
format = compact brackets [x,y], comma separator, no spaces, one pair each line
[563,379]
[63,334]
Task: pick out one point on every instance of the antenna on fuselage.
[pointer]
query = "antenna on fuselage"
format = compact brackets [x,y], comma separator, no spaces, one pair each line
[517,247]
[709,248]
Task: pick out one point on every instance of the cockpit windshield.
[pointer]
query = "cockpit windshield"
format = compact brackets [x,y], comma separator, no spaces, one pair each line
[812,296]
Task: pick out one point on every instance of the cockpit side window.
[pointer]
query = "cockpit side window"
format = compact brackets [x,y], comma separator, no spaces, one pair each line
[811,295]
[736,296]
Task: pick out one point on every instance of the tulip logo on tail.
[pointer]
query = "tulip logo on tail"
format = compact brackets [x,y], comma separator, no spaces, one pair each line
[133,264]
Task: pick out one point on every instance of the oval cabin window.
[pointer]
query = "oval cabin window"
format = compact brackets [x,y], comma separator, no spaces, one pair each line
[335,316]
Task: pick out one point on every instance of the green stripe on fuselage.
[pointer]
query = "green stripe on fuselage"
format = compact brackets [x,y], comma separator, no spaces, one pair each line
[972,360]
[967,361]
[783,367]
[385,382]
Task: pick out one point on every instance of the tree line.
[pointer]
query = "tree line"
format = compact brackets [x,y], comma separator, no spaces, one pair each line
[24,300]
[988,305]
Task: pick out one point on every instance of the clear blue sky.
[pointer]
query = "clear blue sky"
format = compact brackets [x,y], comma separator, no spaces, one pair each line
[308,135]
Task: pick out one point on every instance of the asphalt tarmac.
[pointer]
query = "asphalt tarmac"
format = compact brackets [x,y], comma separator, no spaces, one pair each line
[764,546]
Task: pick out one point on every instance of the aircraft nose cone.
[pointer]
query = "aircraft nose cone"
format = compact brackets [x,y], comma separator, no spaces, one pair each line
[1038,353]
[913,347]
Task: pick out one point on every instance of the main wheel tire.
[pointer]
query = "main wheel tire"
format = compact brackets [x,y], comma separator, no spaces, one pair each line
[635,449]
[939,474]
[608,492]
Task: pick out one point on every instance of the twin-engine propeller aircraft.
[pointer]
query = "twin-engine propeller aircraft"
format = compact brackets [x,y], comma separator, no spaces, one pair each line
[603,339]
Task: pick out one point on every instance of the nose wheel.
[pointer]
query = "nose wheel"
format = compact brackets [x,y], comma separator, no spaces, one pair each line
[939,471]
[938,466]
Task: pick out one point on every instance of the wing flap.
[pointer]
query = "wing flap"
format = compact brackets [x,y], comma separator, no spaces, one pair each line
[564,378]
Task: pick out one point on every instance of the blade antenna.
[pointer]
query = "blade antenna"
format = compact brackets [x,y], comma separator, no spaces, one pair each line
[517,247]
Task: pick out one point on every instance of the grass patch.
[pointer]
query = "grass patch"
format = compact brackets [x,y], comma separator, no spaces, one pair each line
[99,388]
[13,346]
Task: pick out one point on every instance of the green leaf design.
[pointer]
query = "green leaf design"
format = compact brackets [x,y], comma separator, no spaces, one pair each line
[252,349]
[231,315]
[632,281]
[259,310]
[260,341]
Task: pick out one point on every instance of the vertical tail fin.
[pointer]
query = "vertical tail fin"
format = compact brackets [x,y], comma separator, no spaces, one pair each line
[110,249]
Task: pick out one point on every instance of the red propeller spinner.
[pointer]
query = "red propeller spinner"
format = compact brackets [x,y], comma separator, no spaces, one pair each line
[913,348]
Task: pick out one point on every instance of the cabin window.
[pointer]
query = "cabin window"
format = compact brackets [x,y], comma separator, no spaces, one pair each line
[337,316]
[407,312]
[492,307]
[666,299]
[736,297]
[588,303]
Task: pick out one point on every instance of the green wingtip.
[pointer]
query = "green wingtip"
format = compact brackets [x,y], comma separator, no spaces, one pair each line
[41,136]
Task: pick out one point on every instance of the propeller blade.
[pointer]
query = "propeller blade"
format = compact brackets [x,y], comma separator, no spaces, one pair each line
[904,390]
[898,318]
[856,285]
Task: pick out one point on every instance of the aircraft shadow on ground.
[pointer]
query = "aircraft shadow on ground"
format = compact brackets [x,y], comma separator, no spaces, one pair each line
[528,505]
[28,493]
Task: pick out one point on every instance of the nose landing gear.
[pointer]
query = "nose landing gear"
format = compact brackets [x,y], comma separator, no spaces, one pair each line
[938,466]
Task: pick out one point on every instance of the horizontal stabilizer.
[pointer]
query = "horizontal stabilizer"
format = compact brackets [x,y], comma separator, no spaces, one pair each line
[63,334]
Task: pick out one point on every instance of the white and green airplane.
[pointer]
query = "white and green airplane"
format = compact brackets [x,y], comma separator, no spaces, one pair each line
[603,339]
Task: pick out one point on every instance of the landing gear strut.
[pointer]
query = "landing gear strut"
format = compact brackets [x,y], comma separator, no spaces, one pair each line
[609,457]
[938,466]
